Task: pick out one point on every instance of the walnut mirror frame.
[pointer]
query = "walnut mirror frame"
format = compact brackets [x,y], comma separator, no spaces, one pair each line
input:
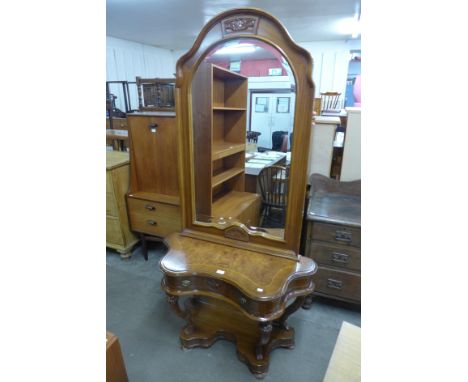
[256,24]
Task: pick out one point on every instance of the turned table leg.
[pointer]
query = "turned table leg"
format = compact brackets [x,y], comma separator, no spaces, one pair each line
[288,311]
[265,331]
[184,314]
[144,246]
[307,302]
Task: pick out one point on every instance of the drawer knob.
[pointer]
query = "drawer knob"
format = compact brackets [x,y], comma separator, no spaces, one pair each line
[152,222]
[150,207]
[152,127]
[340,258]
[186,283]
[242,300]
[334,284]
[343,236]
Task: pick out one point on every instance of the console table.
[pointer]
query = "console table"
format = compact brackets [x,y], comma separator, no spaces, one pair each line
[232,301]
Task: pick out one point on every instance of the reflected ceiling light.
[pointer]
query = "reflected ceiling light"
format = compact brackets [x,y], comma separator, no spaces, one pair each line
[237,49]
[349,25]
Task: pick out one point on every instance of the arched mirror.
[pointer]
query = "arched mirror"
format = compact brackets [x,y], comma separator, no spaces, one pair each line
[244,110]
[243,130]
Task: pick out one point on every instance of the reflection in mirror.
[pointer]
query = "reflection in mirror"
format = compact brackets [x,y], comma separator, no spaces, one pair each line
[243,100]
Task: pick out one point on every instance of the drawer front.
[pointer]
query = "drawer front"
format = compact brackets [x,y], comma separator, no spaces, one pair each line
[337,283]
[117,123]
[341,256]
[113,231]
[109,187]
[153,218]
[337,234]
[111,205]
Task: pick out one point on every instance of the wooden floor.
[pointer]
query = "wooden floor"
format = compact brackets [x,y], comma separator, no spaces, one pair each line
[345,363]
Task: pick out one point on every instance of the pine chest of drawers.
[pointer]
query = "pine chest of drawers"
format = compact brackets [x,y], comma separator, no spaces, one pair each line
[118,234]
[333,238]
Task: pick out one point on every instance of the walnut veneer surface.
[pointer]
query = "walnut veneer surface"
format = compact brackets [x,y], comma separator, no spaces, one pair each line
[235,294]
[247,270]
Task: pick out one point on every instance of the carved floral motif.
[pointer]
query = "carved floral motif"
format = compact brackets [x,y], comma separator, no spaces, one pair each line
[240,24]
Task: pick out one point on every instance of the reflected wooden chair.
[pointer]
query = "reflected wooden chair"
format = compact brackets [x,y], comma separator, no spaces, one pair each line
[330,102]
[273,184]
[279,141]
[252,136]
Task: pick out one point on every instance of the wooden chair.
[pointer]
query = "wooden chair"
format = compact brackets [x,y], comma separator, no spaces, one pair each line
[273,184]
[330,102]
[317,105]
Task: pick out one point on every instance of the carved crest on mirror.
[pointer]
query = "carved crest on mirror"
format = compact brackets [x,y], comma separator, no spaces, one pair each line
[246,24]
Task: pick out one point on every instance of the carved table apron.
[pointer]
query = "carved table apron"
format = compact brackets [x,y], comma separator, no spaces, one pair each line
[235,294]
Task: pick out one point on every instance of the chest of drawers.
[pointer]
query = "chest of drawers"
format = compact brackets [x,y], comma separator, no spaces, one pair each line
[333,238]
[118,234]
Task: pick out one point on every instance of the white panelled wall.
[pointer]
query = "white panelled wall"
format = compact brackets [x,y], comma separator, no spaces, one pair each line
[125,60]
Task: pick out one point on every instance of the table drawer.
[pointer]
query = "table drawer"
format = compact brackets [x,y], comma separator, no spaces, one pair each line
[345,257]
[114,233]
[336,234]
[338,283]
[158,219]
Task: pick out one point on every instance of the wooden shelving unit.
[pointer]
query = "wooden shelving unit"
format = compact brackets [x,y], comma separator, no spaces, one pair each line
[219,128]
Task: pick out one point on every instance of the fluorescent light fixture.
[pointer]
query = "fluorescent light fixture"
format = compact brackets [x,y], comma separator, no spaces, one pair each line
[237,49]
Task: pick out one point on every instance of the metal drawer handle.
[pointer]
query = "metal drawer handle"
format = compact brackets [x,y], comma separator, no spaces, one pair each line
[242,300]
[343,236]
[341,258]
[213,284]
[150,207]
[186,283]
[152,222]
[334,284]
[152,127]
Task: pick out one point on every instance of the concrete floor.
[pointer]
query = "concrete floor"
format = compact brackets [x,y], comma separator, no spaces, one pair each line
[138,314]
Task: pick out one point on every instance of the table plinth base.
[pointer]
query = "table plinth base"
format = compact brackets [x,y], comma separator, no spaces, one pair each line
[210,320]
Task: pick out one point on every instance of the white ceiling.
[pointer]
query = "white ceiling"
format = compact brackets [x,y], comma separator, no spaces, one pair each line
[174,24]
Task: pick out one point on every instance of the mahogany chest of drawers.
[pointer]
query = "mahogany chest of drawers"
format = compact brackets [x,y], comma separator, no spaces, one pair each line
[333,238]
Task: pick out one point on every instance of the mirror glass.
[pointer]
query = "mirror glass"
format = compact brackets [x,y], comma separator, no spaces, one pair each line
[243,101]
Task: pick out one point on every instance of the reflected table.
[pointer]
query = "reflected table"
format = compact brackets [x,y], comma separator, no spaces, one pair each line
[256,162]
